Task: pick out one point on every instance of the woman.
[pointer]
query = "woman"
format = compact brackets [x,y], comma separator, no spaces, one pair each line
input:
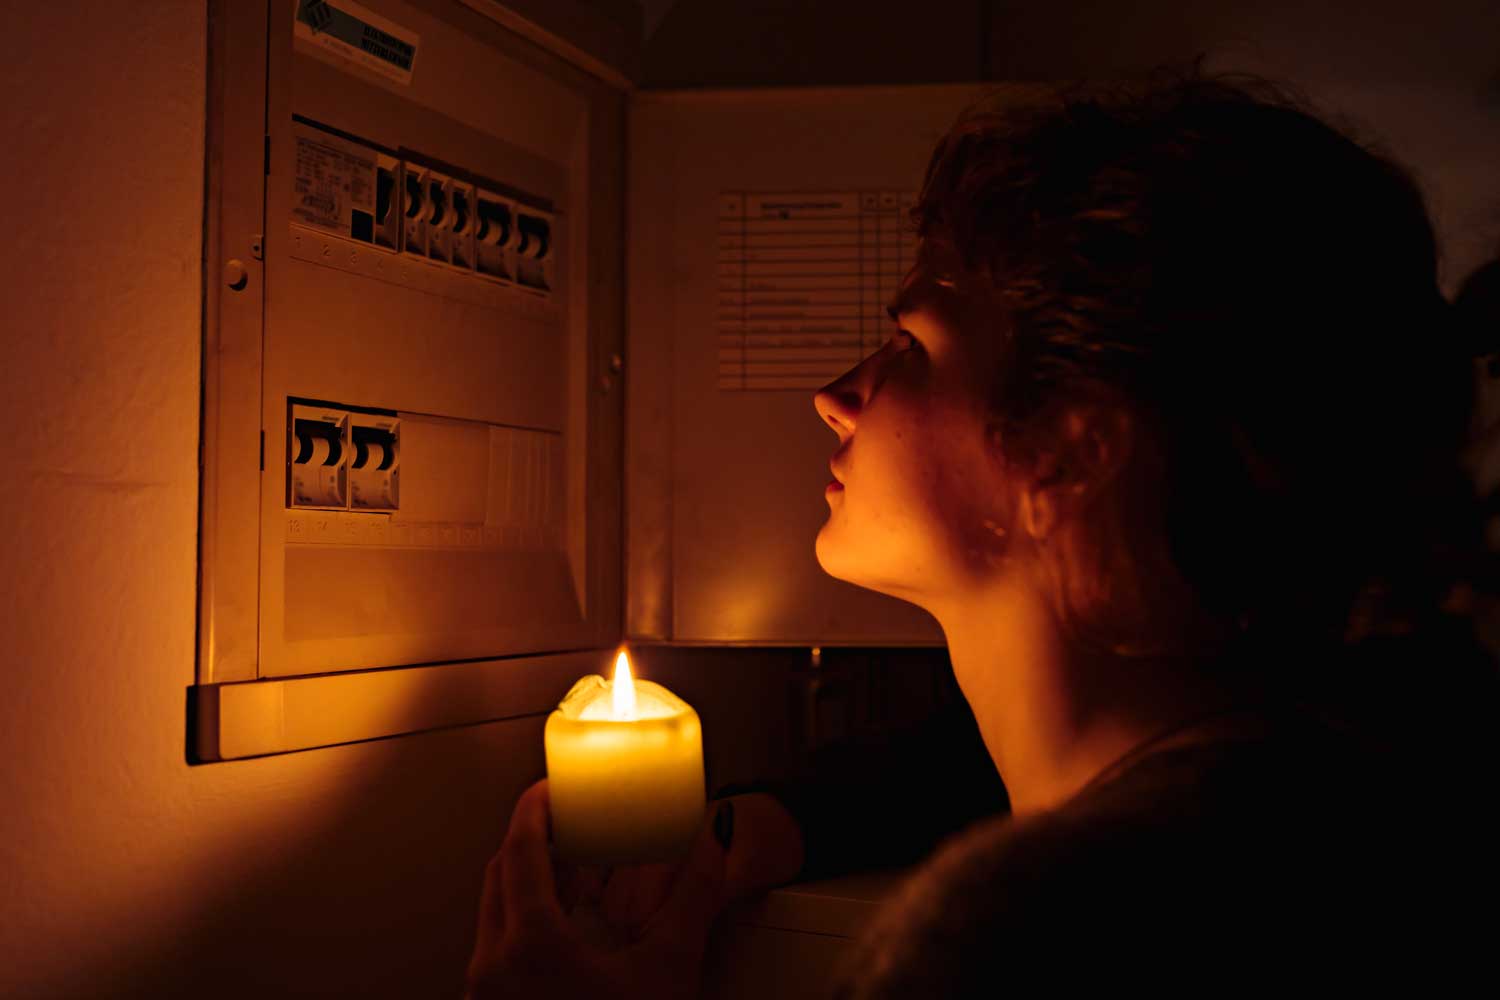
[1166,435]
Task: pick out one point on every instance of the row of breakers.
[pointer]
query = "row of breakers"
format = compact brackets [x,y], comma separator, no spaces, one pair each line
[361,193]
[342,459]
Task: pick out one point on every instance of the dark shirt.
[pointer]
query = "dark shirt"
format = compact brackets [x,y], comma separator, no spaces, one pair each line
[1291,855]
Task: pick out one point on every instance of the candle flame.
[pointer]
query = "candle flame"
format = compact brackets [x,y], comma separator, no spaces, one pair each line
[623,689]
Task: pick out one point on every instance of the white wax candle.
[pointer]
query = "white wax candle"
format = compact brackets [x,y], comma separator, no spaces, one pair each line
[625,770]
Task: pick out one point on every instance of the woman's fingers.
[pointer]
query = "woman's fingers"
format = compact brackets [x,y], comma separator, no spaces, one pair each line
[581,885]
[527,947]
[492,901]
[514,905]
[634,894]
[698,893]
[652,890]
[528,890]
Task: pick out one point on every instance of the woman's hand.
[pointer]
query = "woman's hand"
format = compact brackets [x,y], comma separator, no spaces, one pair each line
[655,918]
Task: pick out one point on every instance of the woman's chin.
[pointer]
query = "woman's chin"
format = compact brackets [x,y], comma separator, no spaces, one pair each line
[850,563]
[834,555]
[824,549]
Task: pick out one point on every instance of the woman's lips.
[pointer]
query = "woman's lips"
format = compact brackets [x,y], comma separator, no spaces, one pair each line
[835,485]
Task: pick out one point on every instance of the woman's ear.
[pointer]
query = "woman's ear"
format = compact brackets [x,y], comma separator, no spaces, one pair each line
[1089,445]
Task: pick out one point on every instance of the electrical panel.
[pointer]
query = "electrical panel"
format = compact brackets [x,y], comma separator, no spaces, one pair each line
[410,457]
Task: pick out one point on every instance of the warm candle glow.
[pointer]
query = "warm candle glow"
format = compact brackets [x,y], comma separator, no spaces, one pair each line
[623,689]
[625,765]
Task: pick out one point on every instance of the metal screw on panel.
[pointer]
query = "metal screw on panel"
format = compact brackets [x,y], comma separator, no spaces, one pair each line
[235,275]
[616,363]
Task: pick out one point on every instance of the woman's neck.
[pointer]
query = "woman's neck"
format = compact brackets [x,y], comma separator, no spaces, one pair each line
[1052,717]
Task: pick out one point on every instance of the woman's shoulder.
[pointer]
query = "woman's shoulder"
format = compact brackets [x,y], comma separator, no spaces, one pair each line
[1218,848]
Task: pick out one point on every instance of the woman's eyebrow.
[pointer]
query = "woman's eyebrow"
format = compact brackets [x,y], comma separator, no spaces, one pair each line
[919,288]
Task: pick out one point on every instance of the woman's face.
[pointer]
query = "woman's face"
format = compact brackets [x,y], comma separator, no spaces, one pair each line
[916,504]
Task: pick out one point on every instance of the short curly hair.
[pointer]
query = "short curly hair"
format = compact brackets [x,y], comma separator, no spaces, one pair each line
[1261,290]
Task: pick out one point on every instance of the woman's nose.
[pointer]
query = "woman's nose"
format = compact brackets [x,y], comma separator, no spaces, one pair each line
[838,403]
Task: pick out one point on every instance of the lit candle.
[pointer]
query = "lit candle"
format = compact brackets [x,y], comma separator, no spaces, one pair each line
[625,770]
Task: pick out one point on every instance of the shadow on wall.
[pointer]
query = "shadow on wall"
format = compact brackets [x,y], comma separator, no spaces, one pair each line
[743,43]
[370,844]
[1420,79]
[730,43]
